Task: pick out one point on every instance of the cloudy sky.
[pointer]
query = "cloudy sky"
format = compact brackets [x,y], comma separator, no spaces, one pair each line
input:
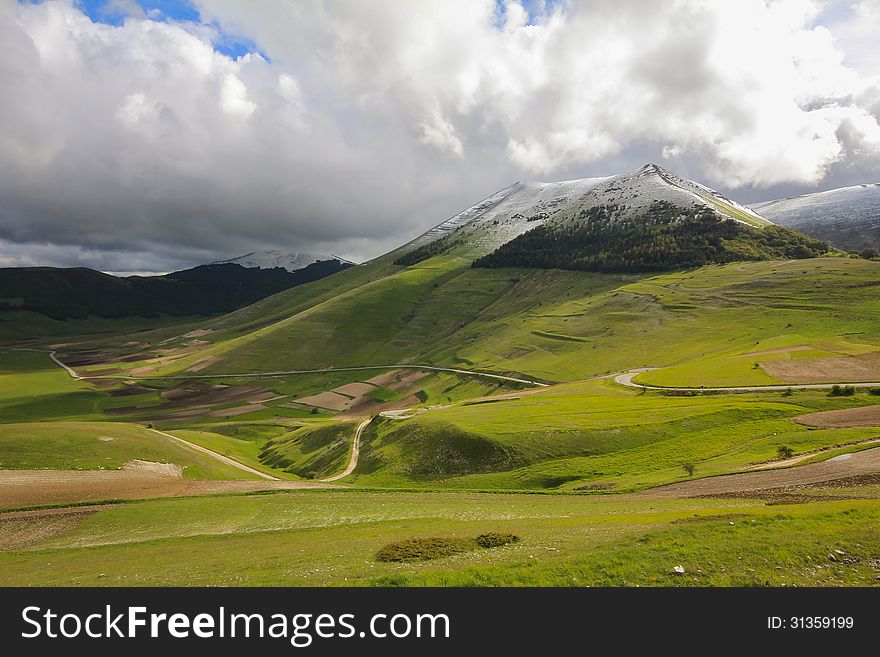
[151,135]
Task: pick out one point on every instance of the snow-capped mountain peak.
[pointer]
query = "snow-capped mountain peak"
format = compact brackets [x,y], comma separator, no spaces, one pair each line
[518,208]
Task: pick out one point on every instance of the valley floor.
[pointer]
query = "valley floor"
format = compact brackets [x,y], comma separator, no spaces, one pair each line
[723,420]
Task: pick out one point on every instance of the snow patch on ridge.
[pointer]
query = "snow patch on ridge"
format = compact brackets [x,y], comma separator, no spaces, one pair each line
[845,205]
[275,258]
[518,208]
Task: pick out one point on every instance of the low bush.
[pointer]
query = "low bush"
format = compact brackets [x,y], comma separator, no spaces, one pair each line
[495,539]
[437,547]
[424,549]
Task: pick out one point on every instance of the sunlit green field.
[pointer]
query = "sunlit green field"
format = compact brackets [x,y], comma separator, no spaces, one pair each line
[559,325]
[596,434]
[331,538]
[464,465]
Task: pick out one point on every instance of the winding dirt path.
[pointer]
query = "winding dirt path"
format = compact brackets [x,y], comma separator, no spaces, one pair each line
[216,455]
[20,488]
[500,377]
[355,452]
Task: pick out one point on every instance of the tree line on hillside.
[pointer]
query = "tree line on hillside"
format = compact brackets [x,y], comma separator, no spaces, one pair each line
[664,237]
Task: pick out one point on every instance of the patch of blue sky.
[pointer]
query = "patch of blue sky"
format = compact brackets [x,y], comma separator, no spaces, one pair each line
[114,12]
[536,9]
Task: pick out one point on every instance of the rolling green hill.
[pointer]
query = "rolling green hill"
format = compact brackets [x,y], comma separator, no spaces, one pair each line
[557,325]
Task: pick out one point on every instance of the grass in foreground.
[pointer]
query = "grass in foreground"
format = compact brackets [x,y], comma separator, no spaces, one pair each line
[332,537]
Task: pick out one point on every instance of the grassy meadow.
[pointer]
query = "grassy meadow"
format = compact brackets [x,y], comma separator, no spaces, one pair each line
[333,537]
[567,469]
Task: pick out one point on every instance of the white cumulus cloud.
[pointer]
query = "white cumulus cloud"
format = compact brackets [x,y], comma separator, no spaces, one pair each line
[360,124]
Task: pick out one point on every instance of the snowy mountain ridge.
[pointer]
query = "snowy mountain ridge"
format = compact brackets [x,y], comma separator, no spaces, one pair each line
[273,258]
[516,209]
[848,217]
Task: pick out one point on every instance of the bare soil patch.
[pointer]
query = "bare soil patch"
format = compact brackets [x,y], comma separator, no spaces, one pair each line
[386,378]
[146,370]
[20,529]
[106,371]
[397,379]
[851,369]
[197,398]
[368,406]
[153,467]
[86,357]
[329,400]
[865,416]
[799,494]
[32,487]
[408,378]
[131,390]
[236,411]
[856,464]
[354,389]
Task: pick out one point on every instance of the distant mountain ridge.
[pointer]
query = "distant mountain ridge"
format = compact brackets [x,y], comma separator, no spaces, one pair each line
[77,293]
[847,217]
[273,258]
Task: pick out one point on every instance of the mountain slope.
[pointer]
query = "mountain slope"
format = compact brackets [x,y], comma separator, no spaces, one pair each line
[650,220]
[275,258]
[848,217]
[522,207]
[662,238]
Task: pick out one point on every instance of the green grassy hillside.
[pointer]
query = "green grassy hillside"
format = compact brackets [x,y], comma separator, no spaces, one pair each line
[100,446]
[594,436]
[558,325]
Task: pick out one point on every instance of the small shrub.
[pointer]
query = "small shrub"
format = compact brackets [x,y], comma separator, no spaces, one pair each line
[424,549]
[689,468]
[785,451]
[874,391]
[437,547]
[495,539]
[788,392]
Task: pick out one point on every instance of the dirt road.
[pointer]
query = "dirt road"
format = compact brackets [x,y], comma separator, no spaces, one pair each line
[838,467]
[626,379]
[486,375]
[355,452]
[218,456]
